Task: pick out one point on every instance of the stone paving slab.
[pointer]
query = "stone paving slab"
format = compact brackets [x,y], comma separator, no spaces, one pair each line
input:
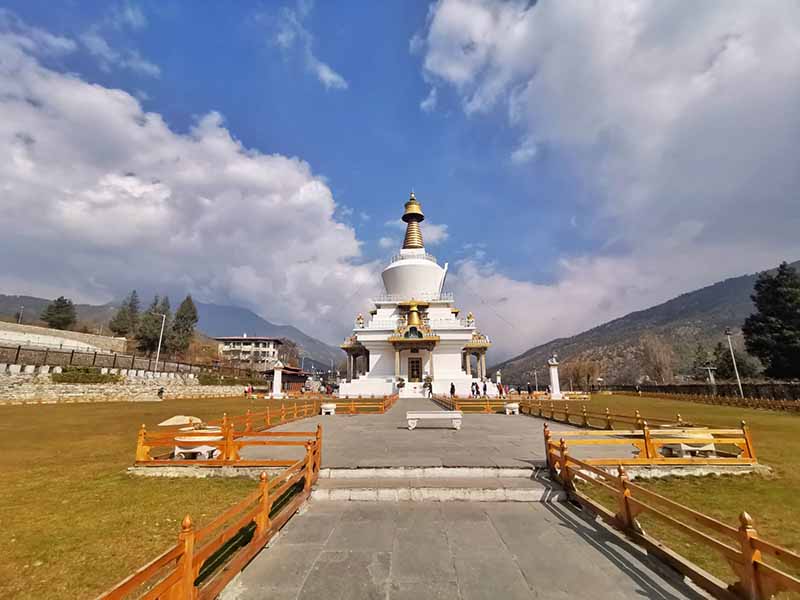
[464,551]
[496,440]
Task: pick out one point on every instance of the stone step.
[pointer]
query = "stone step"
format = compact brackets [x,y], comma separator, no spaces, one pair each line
[430,472]
[471,489]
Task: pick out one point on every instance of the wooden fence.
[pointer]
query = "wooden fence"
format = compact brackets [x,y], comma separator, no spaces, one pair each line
[562,412]
[203,561]
[659,446]
[759,565]
[758,403]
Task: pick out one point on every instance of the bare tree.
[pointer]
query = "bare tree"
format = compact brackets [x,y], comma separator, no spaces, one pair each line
[657,358]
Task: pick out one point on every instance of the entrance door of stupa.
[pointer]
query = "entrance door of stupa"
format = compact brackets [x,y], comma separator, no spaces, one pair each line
[414,369]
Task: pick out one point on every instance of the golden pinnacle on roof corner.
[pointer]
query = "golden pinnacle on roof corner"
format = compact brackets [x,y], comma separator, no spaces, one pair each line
[413,217]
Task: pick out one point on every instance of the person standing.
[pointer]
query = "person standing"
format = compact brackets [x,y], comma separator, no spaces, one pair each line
[529,388]
[484,388]
[452,390]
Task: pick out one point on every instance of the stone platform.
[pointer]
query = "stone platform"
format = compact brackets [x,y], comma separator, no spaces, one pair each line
[359,441]
[462,550]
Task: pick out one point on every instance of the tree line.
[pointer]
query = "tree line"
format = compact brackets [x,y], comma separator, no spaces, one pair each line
[145,327]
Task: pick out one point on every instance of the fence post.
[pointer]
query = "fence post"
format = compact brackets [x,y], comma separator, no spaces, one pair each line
[262,519]
[94,359]
[748,440]
[248,423]
[680,420]
[552,412]
[585,416]
[564,475]
[649,451]
[283,412]
[546,432]
[186,564]
[71,356]
[626,515]
[295,409]
[309,467]
[16,357]
[46,352]
[540,408]
[609,424]
[142,451]
[747,570]
[353,405]
[113,364]
[230,446]
[133,360]
[318,438]
[269,422]
[566,412]
[638,420]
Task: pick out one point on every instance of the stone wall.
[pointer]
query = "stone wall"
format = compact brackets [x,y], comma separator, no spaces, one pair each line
[13,334]
[36,389]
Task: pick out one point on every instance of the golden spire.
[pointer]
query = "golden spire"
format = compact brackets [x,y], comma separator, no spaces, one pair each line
[413,216]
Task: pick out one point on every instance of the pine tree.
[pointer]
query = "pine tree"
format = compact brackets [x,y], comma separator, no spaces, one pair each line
[60,313]
[150,326]
[126,321]
[183,326]
[772,333]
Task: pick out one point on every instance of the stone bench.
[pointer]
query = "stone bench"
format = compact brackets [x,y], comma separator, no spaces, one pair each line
[512,408]
[327,408]
[454,416]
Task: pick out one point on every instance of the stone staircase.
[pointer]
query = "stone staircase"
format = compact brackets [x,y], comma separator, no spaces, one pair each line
[437,484]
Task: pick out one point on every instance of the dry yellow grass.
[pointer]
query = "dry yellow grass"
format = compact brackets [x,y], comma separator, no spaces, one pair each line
[73,521]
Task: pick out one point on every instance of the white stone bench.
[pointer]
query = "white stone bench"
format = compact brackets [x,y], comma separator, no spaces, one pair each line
[454,416]
[328,408]
[512,408]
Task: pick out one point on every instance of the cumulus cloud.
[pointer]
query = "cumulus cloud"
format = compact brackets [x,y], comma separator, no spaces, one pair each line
[389,242]
[100,196]
[290,31]
[128,15]
[681,122]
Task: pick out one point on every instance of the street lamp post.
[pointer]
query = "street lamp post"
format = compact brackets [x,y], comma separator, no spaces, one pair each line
[160,337]
[536,378]
[728,334]
[21,310]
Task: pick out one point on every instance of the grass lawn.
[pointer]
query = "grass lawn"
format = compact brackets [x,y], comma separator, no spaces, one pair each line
[773,501]
[72,521]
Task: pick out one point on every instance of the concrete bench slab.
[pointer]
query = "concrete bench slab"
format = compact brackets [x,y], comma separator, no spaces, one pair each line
[454,416]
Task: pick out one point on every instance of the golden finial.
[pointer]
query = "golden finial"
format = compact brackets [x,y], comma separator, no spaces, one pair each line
[413,217]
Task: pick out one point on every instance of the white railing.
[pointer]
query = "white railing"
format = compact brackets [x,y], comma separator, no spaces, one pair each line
[424,256]
[443,297]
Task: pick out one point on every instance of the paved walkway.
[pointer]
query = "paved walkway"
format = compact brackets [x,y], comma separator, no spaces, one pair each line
[495,440]
[462,550]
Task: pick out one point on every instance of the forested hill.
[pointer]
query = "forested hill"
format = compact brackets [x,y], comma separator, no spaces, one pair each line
[696,317]
[214,320]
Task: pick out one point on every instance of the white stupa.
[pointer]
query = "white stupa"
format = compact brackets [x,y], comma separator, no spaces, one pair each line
[414,331]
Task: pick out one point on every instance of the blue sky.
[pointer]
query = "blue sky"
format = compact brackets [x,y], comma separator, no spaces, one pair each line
[586,160]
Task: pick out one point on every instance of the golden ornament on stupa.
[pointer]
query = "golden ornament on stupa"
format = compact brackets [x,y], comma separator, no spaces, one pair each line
[413,216]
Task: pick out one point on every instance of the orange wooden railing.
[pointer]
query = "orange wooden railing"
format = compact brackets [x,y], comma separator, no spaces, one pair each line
[564,412]
[356,405]
[193,568]
[741,546]
[729,446]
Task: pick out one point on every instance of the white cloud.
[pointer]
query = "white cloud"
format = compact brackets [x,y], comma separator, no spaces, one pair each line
[128,15]
[428,103]
[99,196]
[97,46]
[290,30]
[32,39]
[388,242]
[682,122]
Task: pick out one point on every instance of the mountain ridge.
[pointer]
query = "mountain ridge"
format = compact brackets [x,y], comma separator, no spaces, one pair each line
[696,317]
[214,320]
